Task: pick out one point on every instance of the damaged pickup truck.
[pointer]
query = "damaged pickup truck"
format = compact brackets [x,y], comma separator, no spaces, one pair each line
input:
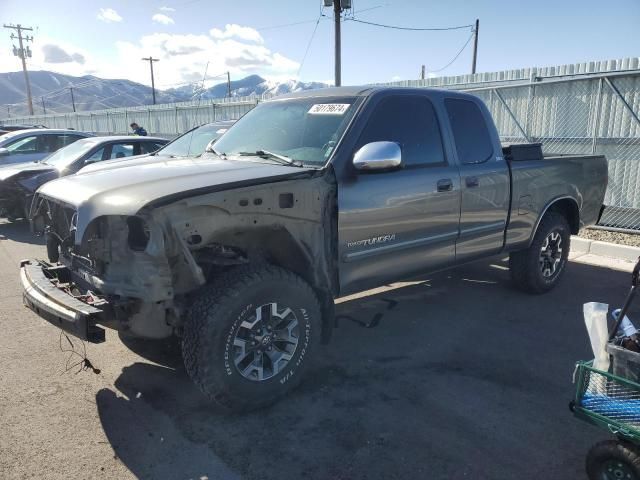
[308,197]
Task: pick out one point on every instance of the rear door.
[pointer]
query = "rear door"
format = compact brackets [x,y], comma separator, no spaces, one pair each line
[484,179]
[396,223]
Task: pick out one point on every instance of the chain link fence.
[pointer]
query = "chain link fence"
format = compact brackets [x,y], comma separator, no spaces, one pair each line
[596,115]
[582,109]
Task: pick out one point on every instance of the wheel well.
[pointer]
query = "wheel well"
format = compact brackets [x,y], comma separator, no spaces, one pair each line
[279,247]
[568,208]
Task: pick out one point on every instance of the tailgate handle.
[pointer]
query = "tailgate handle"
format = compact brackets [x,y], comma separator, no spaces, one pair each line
[472,182]
[445,185]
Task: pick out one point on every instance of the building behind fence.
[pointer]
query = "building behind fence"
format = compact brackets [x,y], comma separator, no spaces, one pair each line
[591,107]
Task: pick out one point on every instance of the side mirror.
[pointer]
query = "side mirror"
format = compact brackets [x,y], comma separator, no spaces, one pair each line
[4,152]
[378,156]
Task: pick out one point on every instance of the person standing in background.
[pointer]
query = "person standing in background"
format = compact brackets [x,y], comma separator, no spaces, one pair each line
[138,130]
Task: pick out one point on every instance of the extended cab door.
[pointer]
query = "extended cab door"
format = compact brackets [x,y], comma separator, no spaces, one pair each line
[484,179]
[393,224]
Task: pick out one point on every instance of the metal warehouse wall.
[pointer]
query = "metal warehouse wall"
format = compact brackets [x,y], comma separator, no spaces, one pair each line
[591,107]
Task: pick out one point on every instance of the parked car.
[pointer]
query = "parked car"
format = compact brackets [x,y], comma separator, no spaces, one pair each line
[310,196]
[34,144]
[190,144]
[19,182]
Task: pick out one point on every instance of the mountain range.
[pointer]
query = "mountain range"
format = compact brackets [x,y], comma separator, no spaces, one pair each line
[93,93]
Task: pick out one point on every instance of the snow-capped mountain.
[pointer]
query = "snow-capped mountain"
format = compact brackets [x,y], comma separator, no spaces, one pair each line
[93,93]
[251,85]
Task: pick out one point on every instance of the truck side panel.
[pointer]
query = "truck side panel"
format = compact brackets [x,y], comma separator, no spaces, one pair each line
[537,184]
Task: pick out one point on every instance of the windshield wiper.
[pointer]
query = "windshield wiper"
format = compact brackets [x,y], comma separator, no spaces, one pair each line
[274,156]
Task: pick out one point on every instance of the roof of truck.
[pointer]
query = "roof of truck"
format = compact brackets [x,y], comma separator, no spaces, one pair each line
[362,91]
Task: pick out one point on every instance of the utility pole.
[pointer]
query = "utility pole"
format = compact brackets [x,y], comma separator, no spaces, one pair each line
[228,84]
[337,9]
[73,102]
[44,109]
[150,59]
[475,46]
[423,72]
[23,54]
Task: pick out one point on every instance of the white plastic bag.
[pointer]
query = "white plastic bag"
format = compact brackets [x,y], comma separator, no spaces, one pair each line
[595,319]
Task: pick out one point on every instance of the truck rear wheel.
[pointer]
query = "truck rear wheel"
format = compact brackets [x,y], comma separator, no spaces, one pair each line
[539,268]
[249,337]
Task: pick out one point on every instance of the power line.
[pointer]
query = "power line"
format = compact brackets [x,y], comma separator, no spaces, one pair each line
[396,27]
[313,34]
[456,57]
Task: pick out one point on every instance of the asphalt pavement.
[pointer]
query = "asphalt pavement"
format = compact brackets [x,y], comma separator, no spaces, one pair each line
[456,376]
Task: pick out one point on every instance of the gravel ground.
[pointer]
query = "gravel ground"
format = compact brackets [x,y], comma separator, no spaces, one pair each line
[462,378]
[631,239]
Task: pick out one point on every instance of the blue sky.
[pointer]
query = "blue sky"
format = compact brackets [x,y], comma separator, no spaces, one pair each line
[108,38]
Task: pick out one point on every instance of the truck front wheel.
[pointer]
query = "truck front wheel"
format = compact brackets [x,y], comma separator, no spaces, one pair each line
[539,268]
[249,337]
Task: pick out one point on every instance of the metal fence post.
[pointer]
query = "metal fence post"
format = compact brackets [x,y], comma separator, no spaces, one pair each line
[596,118]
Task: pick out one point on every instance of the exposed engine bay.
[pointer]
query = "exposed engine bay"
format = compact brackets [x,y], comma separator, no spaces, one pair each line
[140,269]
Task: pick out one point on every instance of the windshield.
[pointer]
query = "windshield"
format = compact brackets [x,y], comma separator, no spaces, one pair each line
[69,154]
[193,142]
[305,130]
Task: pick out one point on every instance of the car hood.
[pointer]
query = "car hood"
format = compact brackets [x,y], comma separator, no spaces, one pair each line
[11,171]
[127,188]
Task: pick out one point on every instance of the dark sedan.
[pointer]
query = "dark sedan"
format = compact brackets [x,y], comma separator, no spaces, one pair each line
[19,182]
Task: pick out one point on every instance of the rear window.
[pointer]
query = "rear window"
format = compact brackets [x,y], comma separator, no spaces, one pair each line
[470,131]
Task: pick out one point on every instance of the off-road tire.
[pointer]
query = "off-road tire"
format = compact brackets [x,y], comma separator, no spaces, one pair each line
[214,317]
[612,459]
[524,264]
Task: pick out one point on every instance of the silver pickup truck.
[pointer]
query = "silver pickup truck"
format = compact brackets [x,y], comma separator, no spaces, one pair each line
[308,197]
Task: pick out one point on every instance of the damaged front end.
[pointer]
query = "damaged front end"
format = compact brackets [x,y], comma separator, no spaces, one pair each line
[138,271]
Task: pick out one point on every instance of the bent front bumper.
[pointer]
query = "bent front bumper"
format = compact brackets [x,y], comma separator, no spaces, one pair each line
[42,293]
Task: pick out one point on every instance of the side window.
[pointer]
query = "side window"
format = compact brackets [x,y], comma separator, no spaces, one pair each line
[150,147]
[69,139]
[49,143]
[24,145]
[121,150]
[470,132]
[411,121]
[96,156]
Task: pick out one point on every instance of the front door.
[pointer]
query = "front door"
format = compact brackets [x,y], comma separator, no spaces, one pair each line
[397,223]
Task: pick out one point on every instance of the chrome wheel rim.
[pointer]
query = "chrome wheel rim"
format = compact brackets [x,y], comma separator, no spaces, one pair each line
[265,343]
[551,254]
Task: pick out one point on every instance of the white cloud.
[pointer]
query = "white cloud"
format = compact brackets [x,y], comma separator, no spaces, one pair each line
[163,19]
[232,30]
[183,58]
[109,15]
[396,78]
[167,9]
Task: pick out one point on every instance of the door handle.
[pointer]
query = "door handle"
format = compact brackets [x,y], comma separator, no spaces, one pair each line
[445,185]
[472,182]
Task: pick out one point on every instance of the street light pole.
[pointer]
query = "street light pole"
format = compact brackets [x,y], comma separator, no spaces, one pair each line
[150,59]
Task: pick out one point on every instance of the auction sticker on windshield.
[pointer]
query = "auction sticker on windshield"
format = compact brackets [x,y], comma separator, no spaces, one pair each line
[329,108]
